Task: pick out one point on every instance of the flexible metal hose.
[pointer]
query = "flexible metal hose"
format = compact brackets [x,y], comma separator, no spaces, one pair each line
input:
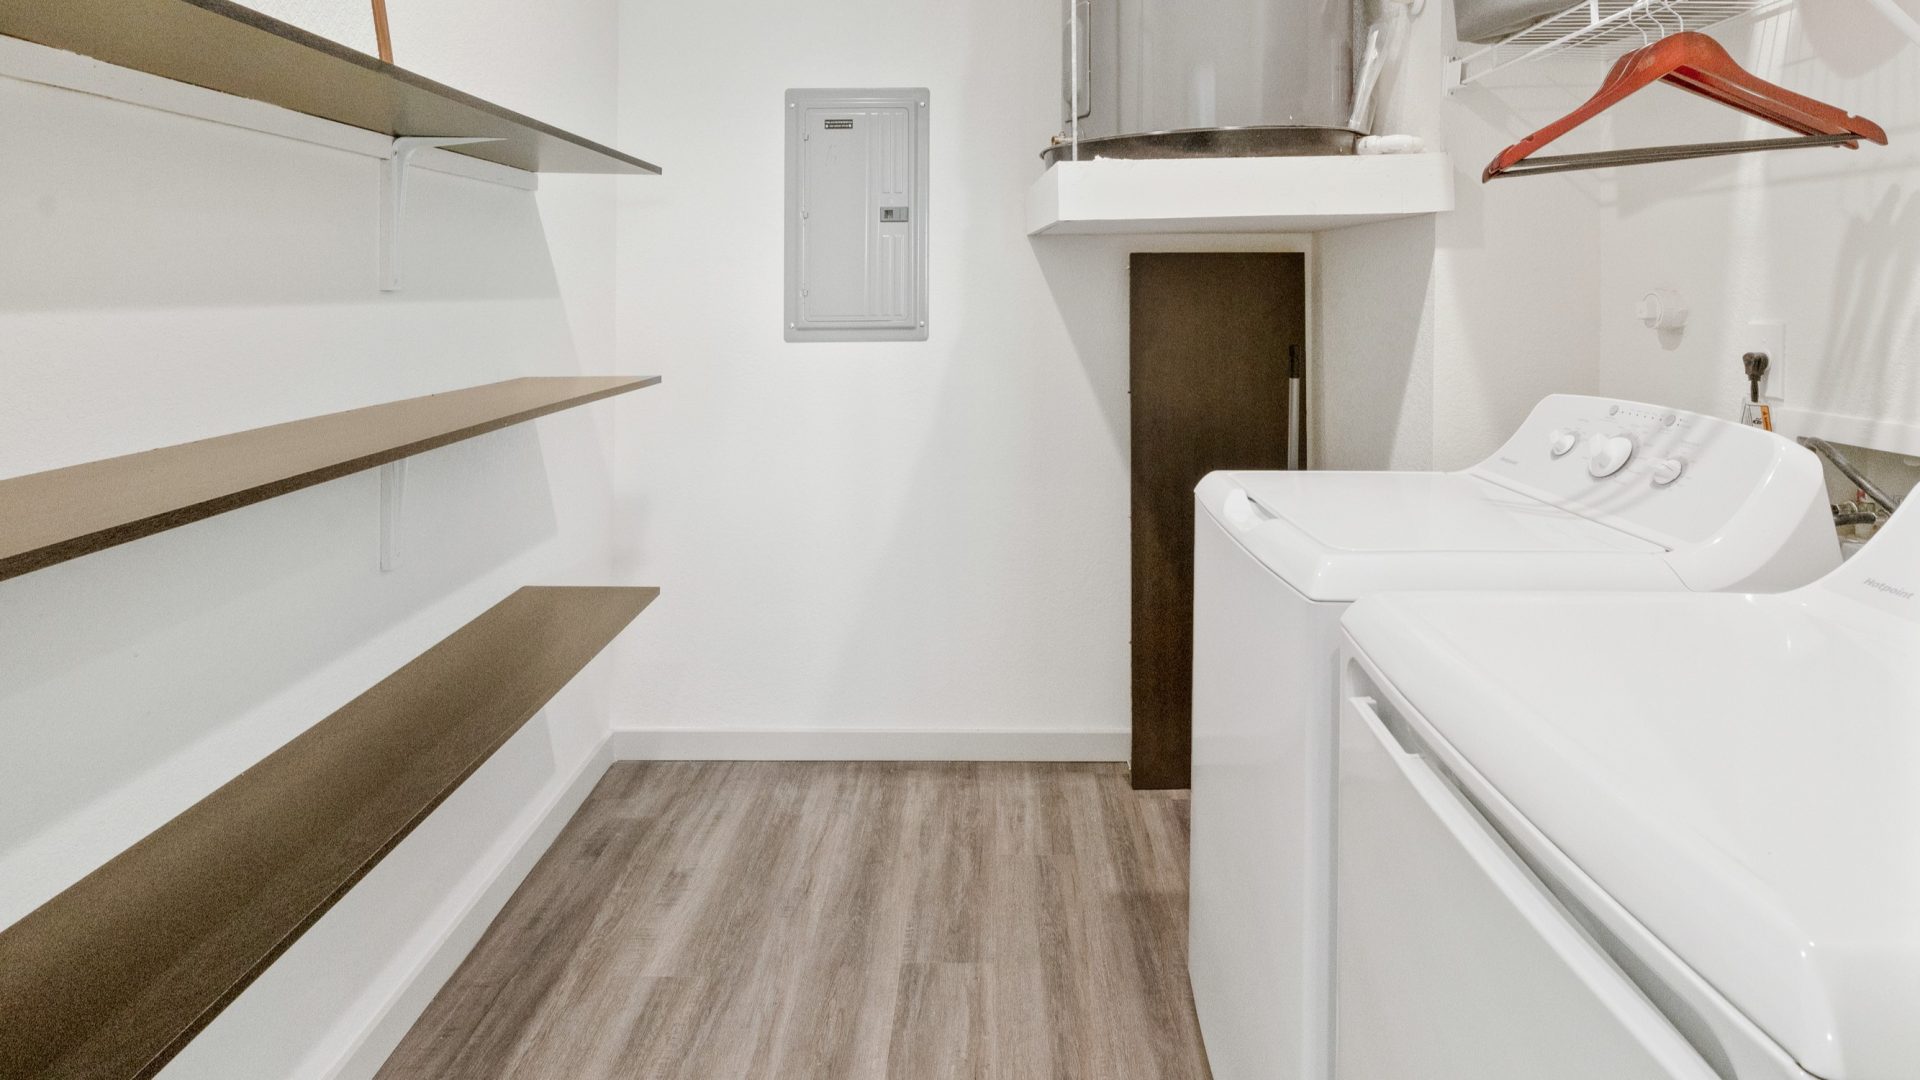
[1852,472]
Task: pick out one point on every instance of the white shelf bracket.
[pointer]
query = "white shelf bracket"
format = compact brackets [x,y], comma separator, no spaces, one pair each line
[393,196]
[393,490]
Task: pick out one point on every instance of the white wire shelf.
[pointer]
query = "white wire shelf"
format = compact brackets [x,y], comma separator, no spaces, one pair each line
[1597,28]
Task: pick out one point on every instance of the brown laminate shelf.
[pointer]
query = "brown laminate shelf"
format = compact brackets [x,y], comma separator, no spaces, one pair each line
[234,49]
[111,978]
[62,514]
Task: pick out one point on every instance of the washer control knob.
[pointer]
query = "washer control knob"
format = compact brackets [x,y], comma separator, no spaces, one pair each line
[1609,455]
[1667,470]
[1562,441]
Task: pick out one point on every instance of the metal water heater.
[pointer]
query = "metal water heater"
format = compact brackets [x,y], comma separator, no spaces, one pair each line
[1216,78]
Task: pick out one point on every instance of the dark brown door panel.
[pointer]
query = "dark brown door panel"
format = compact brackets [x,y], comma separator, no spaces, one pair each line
[1211,337]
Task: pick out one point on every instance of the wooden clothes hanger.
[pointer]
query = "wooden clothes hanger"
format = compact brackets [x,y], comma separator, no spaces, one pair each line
[382,39]
[1694,62]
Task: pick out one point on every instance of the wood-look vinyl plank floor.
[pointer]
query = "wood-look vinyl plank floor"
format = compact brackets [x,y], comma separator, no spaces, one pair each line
[836,921]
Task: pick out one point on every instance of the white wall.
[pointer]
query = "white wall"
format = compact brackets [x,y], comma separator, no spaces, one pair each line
[1826,241]
[1371,380]
[167,278]
[932,537]
[1516,271]
[349,22]
[922,536]
[1438,335]
[1373,397]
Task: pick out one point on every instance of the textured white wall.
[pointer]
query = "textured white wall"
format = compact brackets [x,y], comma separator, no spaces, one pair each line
[167,279]
[349,22]
[927,536]
[933,537]
[1826,241]
[1374,382]
[1516,271]
[1438,335]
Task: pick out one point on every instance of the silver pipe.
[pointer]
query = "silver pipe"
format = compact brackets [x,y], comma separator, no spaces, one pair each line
[1296,410]
[1073,76]
[1293,423]
[1849,470]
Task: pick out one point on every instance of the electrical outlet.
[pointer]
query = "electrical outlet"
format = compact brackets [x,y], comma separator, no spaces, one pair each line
[1770,336]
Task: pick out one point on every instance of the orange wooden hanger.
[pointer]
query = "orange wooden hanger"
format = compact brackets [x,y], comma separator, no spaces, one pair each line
[382,40]
[1697,63]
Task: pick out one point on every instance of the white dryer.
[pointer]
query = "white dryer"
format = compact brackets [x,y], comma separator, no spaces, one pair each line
[1638,837]
[1589,493]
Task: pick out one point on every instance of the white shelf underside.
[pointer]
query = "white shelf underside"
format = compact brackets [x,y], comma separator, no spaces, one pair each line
[1276,195]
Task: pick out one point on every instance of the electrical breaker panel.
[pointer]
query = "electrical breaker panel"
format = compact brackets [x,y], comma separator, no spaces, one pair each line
[856,215]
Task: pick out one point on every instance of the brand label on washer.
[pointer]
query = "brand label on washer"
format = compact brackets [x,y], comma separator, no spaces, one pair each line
[1880,575]
[1890,590]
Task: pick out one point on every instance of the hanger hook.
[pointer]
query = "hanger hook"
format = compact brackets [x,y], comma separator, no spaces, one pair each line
[1653,16]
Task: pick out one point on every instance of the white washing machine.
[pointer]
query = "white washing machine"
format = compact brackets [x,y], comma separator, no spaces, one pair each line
[1589,493]
[1637,837]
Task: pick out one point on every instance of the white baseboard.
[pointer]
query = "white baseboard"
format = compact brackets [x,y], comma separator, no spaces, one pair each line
[869,744]
[371,1050]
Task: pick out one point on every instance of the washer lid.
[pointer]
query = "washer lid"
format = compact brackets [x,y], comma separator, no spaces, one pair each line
[1337,535]
[1741,773]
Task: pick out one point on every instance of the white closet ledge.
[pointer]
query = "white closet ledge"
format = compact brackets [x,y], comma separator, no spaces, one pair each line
[1277,194]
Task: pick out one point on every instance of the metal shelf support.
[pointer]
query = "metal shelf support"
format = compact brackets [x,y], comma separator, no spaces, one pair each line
[393,196]
[393,494]
[1597,28]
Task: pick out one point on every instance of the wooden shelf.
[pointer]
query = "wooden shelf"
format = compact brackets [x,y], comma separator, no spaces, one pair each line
[224,46]
[50,517]
[110,979]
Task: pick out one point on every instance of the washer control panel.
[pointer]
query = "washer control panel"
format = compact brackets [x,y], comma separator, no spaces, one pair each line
[1668,474]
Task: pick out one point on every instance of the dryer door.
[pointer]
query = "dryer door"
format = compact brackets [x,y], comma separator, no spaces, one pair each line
[1453,962]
